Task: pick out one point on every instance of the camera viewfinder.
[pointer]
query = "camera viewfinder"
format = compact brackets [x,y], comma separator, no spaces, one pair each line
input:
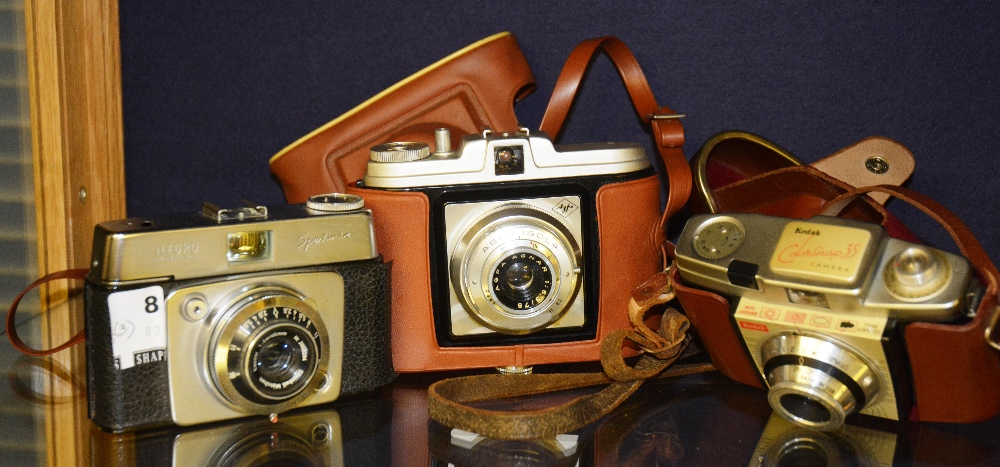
[249,246]
[508,160]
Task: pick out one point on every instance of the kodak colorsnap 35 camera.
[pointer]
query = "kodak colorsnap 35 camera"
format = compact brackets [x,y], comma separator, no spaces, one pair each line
[819,306]
[209,316]
[528,250]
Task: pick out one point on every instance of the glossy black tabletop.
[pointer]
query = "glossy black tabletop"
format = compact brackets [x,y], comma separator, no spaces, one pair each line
[701,419]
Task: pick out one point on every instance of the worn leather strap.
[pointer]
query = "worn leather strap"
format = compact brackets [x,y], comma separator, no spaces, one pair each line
[449,399]
[665,123]
[78,274]
[967,242]
[964,238]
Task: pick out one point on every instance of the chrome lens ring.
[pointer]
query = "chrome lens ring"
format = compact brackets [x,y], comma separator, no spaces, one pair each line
[277,362]
[815,382]
[521,281]
[253,348]
[511,233]
[807,447]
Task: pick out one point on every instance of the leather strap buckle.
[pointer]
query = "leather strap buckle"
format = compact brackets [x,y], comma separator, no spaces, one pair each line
[673,116]
[991,338]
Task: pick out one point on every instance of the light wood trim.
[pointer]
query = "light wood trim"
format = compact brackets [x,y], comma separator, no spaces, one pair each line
[74,70]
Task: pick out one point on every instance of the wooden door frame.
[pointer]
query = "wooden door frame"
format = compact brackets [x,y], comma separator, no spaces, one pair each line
[74,72]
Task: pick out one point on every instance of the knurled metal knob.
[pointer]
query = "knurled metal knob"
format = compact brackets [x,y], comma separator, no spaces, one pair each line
[335,202]
[400,152]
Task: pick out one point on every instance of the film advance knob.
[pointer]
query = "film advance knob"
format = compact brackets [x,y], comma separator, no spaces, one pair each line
[400,152]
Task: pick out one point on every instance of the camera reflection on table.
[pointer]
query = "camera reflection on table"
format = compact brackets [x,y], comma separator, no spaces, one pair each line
[785,444]
[703,419]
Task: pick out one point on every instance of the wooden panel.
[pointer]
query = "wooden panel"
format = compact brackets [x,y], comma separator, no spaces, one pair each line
[75,99]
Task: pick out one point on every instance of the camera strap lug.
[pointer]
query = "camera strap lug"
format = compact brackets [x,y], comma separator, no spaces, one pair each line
[992,337]
[666,116]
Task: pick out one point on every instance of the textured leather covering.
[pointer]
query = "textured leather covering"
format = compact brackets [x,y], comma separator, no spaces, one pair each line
[138,397]
[367,325]
[462,92]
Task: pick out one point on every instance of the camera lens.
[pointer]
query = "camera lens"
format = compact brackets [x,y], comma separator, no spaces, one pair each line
[516,269]
[803,455]
[522,281]
[280,362]
[803,448]
[805,408]
[816,382]
[268,349]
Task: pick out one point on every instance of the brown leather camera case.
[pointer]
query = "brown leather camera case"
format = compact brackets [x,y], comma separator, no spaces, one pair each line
[629,253]
[463,92]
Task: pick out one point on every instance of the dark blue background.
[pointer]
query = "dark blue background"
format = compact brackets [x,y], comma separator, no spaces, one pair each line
[212,91]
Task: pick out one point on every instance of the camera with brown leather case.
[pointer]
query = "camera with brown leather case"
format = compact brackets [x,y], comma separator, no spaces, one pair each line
[511,251]
[951,366]
[599,202]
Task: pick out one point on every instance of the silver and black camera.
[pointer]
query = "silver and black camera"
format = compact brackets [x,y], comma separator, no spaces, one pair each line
[510,234]
[819,307]
[208,316]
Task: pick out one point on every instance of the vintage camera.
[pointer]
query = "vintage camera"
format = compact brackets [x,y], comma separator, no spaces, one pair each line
[819,307]
[209,316]
[511,251]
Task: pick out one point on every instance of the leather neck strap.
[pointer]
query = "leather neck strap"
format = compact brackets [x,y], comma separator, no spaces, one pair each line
[665,123]
[966,241]
[449,399]
[77,274]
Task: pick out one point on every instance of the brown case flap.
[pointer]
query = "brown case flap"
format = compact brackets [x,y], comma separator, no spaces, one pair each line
[465,91]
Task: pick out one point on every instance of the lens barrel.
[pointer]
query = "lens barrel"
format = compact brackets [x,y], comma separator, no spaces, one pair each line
[267,352]
[516,269]
[815,382]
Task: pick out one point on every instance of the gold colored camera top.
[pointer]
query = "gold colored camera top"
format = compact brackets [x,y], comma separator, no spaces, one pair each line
[821,252]
[842,265]
[245,240]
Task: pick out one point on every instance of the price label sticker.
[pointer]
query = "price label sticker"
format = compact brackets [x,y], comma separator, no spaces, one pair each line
[138,326]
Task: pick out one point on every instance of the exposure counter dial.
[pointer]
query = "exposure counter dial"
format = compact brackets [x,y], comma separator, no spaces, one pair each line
[718,238]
